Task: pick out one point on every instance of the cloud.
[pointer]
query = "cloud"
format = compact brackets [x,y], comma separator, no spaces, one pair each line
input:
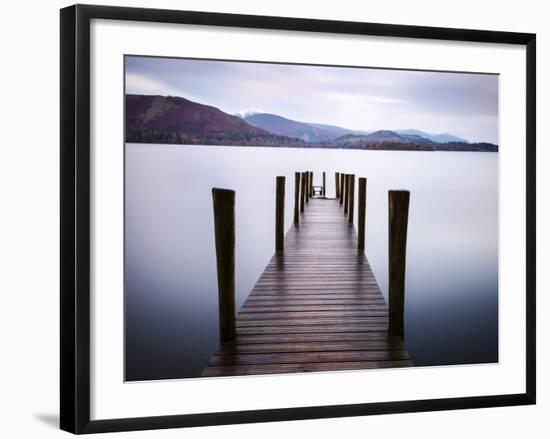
[144,84]
[357,98]
[141,84]
[350,96]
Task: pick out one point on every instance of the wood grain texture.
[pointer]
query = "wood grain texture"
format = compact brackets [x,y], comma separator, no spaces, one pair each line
[317,306]
[361,213]
[296,198]
[351,203]
[224,232]
[341,193]
[279,213]
[303,192]
[398,213]
[346,193]
[308,185]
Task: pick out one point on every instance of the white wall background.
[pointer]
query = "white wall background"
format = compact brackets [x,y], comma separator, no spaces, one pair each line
[29,206]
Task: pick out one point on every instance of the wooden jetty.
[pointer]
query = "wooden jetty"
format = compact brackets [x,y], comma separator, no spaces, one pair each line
[317,306]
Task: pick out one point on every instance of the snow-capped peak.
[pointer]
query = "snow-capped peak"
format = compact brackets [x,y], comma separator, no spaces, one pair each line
[244,113]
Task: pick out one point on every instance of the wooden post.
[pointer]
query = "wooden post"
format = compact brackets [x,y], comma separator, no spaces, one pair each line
[398,210]
[311,184]
[346,194]
[224,228]
[280,214]
[306,188]
[296,198]
[337,184]
[361,212]
[342,184]
[324,184]
[303,192]
[351,205]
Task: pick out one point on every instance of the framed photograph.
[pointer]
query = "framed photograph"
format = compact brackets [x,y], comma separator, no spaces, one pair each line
[268,218]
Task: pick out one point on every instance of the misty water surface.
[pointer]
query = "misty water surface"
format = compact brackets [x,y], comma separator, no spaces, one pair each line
[451,310]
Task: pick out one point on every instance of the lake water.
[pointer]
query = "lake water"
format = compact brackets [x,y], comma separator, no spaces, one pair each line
[451,309]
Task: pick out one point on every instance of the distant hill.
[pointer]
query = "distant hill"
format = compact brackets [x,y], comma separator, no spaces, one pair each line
[167,119]
[176,120]
[378,137]
[322,133]
[391,140]
[439,138]
[336,131]
[308,132]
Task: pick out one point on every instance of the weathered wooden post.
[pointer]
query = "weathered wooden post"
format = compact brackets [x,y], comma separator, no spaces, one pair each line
[351,204]
[311,184]
[306,188]
[342,184]
[224,229]
[280,214]
[296,198]
[303,191]
[346,194]
[337,184]
[398,210]
[361,212]
[324,184]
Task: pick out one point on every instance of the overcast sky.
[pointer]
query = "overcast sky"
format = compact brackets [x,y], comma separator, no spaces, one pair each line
[465,105]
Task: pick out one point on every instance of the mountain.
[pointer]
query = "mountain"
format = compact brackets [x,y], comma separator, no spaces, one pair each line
[337,131]
[439,138]
[176,120]
[322,133]
[308,132]
[168,119]
[380,137]
[242,114]
[448,138]
[393,141]
[179,115]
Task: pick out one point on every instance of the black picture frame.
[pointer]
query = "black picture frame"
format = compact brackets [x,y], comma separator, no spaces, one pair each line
[75,217]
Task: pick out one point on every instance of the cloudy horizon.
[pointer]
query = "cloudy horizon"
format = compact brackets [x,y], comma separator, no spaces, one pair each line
[463,104]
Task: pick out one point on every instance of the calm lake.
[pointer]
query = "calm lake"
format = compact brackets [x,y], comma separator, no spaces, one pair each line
[171,305]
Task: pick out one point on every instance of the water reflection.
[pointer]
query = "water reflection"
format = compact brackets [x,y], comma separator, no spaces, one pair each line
[451,305]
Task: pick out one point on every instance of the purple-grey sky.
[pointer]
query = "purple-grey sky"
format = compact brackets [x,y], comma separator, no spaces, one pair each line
[465,105]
